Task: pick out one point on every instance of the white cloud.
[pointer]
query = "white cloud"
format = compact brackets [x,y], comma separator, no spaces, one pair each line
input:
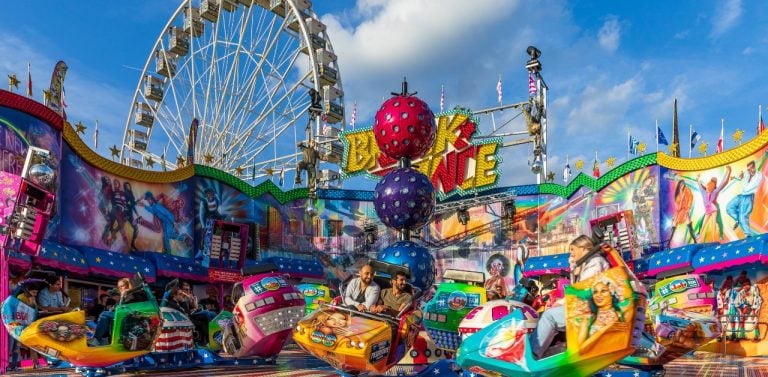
[725,17]
[609,35]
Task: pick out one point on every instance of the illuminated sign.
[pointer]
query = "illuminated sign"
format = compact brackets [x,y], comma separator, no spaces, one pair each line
[456,163]
[678,286]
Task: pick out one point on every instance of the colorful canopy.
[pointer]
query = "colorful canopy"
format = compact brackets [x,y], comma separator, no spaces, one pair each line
[176,267]
[297,268]
[116,265]
[548,264]
[62,257]
[22,261]
[723,256]
[674,261]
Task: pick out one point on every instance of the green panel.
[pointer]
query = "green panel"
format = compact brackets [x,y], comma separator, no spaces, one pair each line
[599,183]
[252,191]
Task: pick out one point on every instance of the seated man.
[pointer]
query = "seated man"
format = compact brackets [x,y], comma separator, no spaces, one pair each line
[362,292]
[394,300]
[583,266]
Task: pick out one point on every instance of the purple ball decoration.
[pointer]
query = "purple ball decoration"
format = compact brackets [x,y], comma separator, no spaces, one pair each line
[418,259]
[404,199]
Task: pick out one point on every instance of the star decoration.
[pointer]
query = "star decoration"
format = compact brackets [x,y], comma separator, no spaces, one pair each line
[180,161]
[115,152]
[703,148]
[738,136]
[80,128]
[239,170]
[579,164]
[270,171]
[610,161]
[146,269]
[658,262]
[208,158]
[751,249]
[150,161]
[98,259]
[701,260]
[641,148]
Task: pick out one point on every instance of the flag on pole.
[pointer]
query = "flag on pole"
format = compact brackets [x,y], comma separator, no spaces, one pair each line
[96,135]
[596,167]
[498,89]
[695,138]
[721,141]
[567,171]
[326,128]
[531,85]
[29,81]
[760,124]
[442,98]
[281,175]
[660,138]
[633,143]
[354,115]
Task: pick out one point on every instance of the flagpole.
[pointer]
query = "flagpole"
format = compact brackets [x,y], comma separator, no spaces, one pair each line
[629,143]
[759,117]
[690,140]
[657,136]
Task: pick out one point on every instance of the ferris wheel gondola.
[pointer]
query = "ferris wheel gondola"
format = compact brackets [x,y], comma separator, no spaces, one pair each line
[226,85]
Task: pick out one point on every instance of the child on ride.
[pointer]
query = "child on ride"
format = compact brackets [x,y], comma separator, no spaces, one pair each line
[553,320]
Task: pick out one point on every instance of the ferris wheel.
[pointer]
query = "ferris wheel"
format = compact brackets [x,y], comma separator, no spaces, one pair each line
[227,85]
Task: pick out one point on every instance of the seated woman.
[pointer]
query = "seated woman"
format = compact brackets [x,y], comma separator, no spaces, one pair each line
[104,323]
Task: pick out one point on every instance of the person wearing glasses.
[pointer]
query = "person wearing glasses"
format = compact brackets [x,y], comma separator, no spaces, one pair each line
[104,324]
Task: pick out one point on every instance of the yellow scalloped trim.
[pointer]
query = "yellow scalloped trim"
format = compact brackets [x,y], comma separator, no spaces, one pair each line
[93,158]
[716,160]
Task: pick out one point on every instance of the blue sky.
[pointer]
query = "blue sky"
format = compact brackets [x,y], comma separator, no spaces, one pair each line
[610,66]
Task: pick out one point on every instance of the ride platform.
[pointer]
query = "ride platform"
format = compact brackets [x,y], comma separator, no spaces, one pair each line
[295,363]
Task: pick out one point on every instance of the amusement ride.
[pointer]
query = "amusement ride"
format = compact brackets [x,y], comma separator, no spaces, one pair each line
[236,92]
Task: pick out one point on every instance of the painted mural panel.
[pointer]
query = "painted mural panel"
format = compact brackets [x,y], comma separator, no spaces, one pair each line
[217,201]
[109,212]
[722,204]
[19,130]
[741,295]
[635,194]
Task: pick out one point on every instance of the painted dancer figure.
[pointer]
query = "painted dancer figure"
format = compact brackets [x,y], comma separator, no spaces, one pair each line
[682,215]
[740,207]
[748,305]
[711,224]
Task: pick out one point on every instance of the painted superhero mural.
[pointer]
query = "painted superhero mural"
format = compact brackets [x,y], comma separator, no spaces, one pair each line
[721,204]
[110,212]
[18,131]
[217,201]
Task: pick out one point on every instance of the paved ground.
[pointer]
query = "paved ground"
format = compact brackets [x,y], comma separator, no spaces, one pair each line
[299,364]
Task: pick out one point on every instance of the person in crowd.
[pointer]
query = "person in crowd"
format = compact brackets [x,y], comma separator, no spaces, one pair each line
[553,320]
[29,297]
[101,335]
[229,305]
[210,305]
[179,300]
[393,300]
[99,306]
[362,292]
[50,300]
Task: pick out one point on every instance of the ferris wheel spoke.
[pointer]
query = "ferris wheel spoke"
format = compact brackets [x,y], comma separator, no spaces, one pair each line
[249,130]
